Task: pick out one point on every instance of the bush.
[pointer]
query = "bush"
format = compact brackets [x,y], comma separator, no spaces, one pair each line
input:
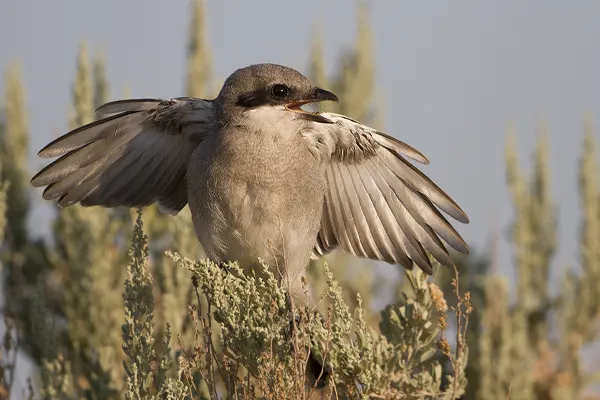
[250,343]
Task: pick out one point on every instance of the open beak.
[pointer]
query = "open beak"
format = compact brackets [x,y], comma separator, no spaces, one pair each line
[317,95]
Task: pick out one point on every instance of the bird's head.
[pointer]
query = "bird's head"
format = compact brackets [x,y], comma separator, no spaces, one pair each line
[272,85]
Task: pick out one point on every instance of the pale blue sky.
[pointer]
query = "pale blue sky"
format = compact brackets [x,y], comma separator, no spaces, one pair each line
[452,75]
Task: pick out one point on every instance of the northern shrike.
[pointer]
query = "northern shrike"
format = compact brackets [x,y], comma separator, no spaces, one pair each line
[263,178]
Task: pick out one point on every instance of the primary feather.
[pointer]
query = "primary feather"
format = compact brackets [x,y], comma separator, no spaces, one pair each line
[378,205]
[135,156]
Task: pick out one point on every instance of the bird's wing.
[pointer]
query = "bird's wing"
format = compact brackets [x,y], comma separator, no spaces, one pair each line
[377,204]
[137,154]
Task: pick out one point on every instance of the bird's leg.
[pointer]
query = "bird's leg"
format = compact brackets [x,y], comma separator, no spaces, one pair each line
[223,265]
[315,371]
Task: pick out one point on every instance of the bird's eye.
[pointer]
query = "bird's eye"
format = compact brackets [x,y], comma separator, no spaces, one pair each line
[280,91]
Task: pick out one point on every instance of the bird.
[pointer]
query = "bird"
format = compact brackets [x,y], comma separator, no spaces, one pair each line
[263,177]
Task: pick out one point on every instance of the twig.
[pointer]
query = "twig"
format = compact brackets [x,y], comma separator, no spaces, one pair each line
[207,330]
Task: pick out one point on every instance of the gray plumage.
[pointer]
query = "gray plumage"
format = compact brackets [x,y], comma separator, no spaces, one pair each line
[262,177]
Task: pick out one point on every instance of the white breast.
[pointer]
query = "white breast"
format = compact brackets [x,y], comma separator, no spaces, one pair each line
[256,186]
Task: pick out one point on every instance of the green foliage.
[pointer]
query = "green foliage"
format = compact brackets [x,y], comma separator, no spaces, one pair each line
[504,353]
[82,111]
[588,311]
[22,257]
[198,56]
[264,356]
[87,261]
[534,229]
[354,78]
[532,348]
[253,313]
[317,70]
[101,88]
[354,81]
[138,331]
[174,283]
[8,347]
[8,355]
[3,208]
[13,159]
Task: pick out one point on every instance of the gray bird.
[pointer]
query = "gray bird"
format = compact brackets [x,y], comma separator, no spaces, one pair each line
[263,178]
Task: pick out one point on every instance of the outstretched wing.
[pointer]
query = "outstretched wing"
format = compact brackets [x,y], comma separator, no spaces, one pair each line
[135,156]
[378,205]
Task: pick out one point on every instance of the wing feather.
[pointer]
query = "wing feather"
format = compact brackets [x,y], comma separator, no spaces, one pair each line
[133,157]
[363,211]
[343,216]
[86,134]
[422,209]
[127,105]
[326,237]
[379,206]
[408,236]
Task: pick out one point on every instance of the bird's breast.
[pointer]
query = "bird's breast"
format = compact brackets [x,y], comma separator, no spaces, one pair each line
[247,196]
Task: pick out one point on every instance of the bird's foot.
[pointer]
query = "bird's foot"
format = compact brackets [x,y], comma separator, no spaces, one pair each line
[317,374]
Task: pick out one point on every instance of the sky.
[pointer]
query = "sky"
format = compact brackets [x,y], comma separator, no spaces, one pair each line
[451,76]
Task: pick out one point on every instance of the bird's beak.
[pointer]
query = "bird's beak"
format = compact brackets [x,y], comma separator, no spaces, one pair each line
[319,94]
[316,95]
